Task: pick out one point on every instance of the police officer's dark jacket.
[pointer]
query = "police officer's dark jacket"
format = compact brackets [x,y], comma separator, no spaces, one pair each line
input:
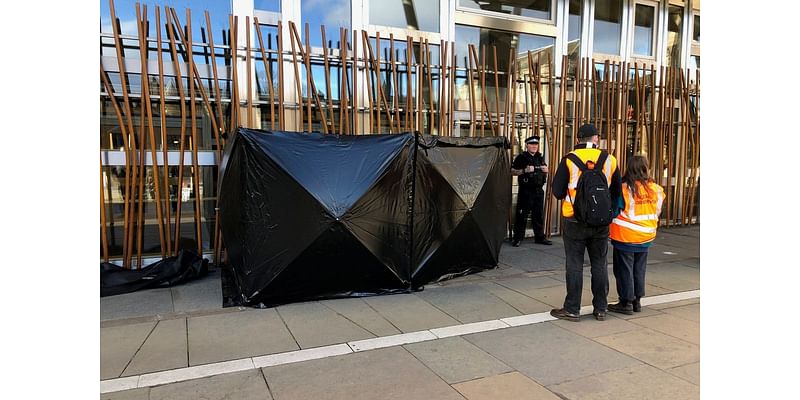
[534,179]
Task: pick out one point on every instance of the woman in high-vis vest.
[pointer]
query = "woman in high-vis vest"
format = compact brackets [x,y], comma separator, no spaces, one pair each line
[632,232]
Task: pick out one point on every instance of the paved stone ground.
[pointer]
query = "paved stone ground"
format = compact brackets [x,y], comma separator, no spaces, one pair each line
[164,329]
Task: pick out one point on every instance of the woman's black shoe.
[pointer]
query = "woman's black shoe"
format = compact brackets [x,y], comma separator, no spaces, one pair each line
[623,307]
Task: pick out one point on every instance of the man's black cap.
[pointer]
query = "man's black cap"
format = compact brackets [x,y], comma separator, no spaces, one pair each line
[586,130]
[532,140]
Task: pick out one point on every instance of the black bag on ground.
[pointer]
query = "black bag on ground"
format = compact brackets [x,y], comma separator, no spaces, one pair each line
[592,202]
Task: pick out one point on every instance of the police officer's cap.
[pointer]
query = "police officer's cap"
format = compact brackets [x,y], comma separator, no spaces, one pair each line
[532,140]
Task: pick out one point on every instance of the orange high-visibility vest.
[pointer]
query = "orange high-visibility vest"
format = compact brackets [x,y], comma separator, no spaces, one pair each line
[587,154]
[637,223]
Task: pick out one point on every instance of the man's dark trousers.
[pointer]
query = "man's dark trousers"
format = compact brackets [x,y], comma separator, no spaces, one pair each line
[580,238]
[529,201]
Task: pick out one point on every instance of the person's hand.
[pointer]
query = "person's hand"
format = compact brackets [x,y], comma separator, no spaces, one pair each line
[544,168]
[530,168]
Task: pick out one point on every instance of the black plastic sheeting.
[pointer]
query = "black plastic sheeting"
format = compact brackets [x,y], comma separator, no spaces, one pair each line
[462,198]
[170,271]
[308,216]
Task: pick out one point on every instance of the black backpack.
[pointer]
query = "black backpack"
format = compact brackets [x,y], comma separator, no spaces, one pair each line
[592,202]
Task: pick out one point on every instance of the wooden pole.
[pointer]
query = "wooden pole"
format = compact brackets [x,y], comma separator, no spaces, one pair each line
[146,106]
[328,80]
[281,102]
[368,72]
[164,136]
[248,63]
[395,85]
[218,95]
[267,73]
[195,139]
[141,159]
[355,82]
[496,90]
[130,146]
[182,101]
[299,88]
[471,91]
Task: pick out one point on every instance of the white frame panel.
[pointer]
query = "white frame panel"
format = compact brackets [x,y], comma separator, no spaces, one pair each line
[492,14]
[632,30]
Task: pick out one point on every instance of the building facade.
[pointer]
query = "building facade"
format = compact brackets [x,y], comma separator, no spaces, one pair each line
[447,67]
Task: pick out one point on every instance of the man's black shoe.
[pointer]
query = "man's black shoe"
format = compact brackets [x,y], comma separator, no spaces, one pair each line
[600,315]
[565,315]
[623,307]
[637,305]
[543,241]
[515,243]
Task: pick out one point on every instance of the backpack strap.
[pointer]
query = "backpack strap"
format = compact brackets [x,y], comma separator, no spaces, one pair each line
[577,161]
[601,160]
[582,166]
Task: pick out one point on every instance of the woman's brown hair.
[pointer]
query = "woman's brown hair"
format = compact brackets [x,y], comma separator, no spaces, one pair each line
[637,172]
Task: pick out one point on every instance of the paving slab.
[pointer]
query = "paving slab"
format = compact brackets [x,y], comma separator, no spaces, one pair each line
[677,304]
[202,294]
[549,354]
[313,325]
[655,348]
[690,262]
[249,385]
[646,312]
[468,303]
[673,276]
[386,374]
[409,313]
[690,312]
[456,360]
[510,386]
[132,394]
[529,285]
[520,302]
[502,270]
[688,372]
[358,311]
[633,383]
[164,349]
[554,295]
[119,344]
[592,328]
[531,260]
[671,325]
[237,335]
[137,304]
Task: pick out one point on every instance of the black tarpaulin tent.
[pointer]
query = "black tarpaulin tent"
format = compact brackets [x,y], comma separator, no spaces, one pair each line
[462,197]
[309,216]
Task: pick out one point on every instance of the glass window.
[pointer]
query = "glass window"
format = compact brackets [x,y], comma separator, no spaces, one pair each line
[607,26]
[331,13]
[574,25]
[643,30]
[126,13]
[674,28]
[527,8]
[696,36]
[504,41]
[694,62]
[267,5]
[421,15]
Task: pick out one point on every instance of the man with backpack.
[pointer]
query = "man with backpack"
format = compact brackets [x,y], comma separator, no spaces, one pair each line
[588,181]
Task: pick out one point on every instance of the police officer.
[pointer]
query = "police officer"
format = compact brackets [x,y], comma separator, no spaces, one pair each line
[531,172]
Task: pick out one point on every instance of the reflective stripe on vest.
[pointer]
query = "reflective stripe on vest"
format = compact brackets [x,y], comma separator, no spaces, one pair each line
[637,223]
[574,173]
